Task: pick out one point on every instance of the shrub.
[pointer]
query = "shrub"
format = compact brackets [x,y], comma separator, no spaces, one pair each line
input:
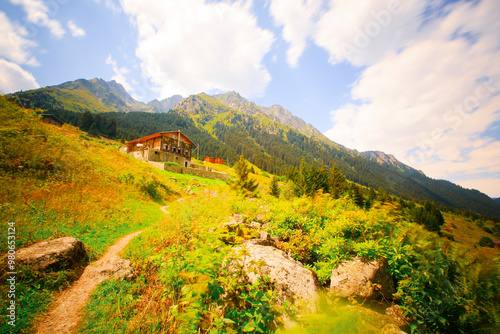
[486,242]
[487,230]
[172,164]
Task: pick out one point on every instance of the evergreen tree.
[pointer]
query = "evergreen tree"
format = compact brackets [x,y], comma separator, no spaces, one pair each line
[337,182]
[429,216]
[85,122]
[370,198]
[356,194]
[244,184]
[274,187]
[302,178]
[382,195]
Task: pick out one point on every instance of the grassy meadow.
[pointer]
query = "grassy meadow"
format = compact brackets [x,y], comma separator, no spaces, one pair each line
[57,182]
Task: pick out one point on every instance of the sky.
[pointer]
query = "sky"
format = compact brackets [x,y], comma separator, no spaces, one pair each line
[419,79]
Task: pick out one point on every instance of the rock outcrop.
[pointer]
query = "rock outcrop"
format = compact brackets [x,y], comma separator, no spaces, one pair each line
[357,278]
[116,267]
[54,254]
[294,282]
[396,316]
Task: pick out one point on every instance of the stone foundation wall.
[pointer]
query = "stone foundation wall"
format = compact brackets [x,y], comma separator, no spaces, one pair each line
[196,172]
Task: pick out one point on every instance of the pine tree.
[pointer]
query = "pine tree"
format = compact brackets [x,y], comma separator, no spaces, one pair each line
[274,187]
[356,194]
[337,182]
[85,122]
[244,184]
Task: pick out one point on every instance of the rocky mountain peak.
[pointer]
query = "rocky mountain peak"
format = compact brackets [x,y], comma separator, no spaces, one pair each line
[387,159]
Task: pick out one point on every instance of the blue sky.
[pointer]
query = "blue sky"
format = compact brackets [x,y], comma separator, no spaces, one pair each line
[417,78]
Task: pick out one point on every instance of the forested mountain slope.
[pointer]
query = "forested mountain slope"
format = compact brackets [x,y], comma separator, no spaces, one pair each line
[228,125]
[95,95]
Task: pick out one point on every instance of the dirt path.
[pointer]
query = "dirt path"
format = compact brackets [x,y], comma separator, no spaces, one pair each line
[66,311]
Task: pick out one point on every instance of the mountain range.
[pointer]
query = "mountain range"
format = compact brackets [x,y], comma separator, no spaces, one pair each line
[227,125]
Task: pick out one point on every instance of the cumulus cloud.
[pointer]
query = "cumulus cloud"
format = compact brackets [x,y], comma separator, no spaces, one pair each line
[75,30]
[191,46]
[14,46]
[297,17]
[431,94]
[119,74]
[40,14]
[13,78]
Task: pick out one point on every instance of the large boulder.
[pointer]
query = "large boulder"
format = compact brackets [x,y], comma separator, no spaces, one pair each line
[294,282]
[116,267]
[54,254]
[364,279]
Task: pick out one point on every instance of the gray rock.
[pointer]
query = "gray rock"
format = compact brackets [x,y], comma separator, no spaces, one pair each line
[392,329]
[396,316]
[238,218]
[54,254]
[264,240]
[294,283]
[118,268]
[253,225]
[362,279]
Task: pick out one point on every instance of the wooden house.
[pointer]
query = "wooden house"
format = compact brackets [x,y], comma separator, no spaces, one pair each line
[172,146]
[51,119]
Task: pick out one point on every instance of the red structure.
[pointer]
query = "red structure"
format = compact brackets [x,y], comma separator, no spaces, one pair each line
[214,160]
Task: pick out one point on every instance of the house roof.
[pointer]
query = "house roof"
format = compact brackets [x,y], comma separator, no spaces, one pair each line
[52,116]
[184,137]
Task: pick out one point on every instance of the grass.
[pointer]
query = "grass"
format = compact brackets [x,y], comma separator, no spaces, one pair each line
[56,183]
[467,233]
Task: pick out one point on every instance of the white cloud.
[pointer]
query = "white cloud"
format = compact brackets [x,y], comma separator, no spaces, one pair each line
[191,46]
[489,186]
[13,44]
[111,4]
[424,98]
[119,74]
[13,78]
[75,30]
[39,13]
[297,17]
[361,32]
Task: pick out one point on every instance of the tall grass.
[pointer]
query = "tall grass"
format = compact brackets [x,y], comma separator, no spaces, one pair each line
[55,184]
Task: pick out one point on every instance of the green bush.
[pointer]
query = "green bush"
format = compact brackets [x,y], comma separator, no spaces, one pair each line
[486,242]
[487,230]
[172,164]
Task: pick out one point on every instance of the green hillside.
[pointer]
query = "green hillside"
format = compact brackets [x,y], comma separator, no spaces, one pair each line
[277,148]
[221,130]
[95,96]
[58,182]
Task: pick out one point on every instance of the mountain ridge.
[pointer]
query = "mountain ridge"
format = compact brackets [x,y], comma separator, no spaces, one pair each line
[165,105]
[82,95]
[389,160]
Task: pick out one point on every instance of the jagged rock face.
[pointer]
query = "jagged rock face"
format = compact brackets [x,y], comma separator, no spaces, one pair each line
[165,105]
[362,279]
[236,101]
[56,254]
[387,159]
[294,282]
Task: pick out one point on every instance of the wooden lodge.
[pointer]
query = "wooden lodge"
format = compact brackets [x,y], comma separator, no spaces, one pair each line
[172,146]
[51,119]
[214,160]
